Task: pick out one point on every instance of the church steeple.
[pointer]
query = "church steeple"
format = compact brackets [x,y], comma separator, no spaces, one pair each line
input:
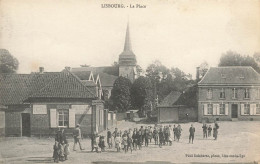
[127,60]
[127,57]
[128,46]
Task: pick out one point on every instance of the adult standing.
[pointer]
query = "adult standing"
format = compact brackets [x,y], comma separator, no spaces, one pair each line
[215,130]
[192,132]
[205,130]
[77,136]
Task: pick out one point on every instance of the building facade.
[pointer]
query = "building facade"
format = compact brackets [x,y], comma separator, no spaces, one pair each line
[229,93]
[38,104]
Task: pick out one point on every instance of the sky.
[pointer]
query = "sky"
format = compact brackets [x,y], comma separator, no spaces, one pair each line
[184,33]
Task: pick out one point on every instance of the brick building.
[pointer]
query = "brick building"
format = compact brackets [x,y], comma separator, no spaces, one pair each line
[41,103]
[229,93]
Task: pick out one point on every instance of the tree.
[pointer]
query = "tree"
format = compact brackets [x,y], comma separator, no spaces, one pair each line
[231,58]
[141,93]
[203,68]
[8,63]
[120,94]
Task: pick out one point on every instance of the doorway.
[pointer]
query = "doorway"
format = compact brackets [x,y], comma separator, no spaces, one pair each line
[234,111]
[26,125]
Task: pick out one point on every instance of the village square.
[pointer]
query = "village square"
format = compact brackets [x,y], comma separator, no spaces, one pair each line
[128,111]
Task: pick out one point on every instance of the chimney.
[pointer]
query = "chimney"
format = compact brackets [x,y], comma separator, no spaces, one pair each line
[197,74]
[68,68]
[41,69]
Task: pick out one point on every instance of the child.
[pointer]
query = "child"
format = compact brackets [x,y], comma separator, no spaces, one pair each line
[56,152]
[94,142]
[61,150]
[135,139]
[102,143]
[161,138]
[155,135]
[118,142]
[209,130]
[66,150]
[124,141]
[109,139]
[129,142]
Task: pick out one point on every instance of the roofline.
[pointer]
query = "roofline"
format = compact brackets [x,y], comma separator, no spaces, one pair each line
[204,75]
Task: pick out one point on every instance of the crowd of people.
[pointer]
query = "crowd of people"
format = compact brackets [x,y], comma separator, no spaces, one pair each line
[127,140]
[133,139]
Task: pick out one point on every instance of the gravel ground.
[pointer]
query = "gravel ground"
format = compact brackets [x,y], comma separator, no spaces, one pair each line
[238,142]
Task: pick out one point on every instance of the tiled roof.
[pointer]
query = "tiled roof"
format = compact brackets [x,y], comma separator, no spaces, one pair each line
[237,75]
[89,83]
[111,70]
[64,86]
[107,80]
[16,88]
[170,99]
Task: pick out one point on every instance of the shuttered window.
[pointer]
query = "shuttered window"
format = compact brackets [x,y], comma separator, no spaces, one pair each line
[222,109]
[246,109]
[210,109]
[63,117]
[257,109]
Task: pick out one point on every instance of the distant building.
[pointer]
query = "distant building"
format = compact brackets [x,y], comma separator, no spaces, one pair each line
[174,109]
[108,74]
[229,93]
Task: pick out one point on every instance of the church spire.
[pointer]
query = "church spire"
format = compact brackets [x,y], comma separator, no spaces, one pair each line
[128,46]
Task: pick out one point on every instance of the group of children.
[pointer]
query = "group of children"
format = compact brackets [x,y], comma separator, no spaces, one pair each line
[61,147]
[130,140]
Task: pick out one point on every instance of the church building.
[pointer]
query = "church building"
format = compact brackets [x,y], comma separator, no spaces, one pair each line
[108,74]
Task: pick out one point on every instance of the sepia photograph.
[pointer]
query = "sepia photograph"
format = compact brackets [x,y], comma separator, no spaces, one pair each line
[130,81]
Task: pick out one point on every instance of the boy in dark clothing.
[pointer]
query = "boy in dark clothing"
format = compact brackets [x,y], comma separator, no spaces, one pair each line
[205,130]
[135,139]
[142,133]
[146,137]
[192,132]
[139,139]
[109,139]
[174,132]
[209,130]
[56,152]
[161,137]
[155,136]
[101,143]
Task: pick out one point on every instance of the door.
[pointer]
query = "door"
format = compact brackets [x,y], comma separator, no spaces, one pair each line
[26,124]
[234,112]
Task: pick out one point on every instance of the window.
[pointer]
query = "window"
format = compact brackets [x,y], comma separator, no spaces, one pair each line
[257,108]
[234,93]
[63,115]
[221,108]
[209,94]
[210,109]
[258,93]
[247,93]
[246,108]
[222,93]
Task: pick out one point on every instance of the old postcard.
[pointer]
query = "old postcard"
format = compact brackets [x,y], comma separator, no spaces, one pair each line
[129,81]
